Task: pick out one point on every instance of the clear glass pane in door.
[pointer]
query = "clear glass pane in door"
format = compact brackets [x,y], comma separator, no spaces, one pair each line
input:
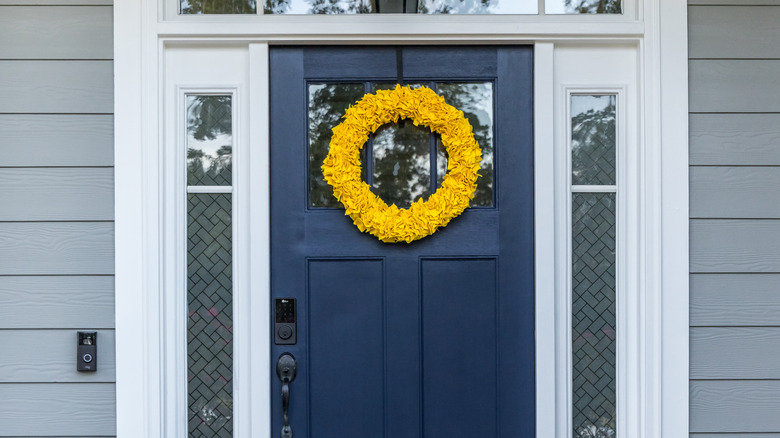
[475,99]
[327,103]
[402,163]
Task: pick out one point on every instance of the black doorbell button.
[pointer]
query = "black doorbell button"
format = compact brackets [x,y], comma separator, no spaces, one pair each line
[86,351]
[285,321]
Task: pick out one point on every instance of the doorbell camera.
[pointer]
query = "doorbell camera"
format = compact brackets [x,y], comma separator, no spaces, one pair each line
[86,351]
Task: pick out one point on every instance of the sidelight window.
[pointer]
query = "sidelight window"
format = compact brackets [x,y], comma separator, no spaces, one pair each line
[594,188]
[209,142]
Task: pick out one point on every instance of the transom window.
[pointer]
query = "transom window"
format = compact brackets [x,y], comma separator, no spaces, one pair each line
[304,7]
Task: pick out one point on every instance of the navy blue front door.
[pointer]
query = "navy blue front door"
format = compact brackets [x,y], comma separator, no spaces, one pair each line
[431,339]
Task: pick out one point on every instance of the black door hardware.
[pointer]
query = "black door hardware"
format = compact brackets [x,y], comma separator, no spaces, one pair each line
[286,368]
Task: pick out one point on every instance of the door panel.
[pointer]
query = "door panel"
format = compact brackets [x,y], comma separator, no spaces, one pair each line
[433,338]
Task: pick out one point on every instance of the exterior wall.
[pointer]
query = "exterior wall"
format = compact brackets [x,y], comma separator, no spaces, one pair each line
[734,50]
[56,219]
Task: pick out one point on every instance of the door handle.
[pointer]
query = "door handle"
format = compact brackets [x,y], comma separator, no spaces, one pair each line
[286,368]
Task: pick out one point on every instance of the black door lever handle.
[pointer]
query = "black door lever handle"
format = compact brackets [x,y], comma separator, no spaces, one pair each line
[286,368]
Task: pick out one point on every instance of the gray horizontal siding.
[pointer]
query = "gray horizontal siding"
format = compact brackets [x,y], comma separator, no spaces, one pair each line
[56,220]
[735,245]
[734,85]
[734,406]
[56,87]
[71,194]
[734,300]
[750,32]
[56,140]
[46,248]
[721,352]
[735,192]
[56,32]
[50,409]
[56,302]
[735,139]
[40,356]
[734,68]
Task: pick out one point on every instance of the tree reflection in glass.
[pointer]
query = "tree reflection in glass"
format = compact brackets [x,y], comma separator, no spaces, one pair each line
[218,6]
[593,139]
[397,160]
[583,7]
[209,140]
[402,163]
[477,6]
[327,103]
[476,102]
[423,7]
[319,7]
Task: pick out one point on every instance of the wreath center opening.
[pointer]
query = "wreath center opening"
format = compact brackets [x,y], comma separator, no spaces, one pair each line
[403,163]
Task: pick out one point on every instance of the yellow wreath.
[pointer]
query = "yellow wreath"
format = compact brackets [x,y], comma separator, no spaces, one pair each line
[342,168]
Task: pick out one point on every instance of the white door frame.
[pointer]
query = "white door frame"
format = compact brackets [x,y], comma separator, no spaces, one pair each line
[659,387]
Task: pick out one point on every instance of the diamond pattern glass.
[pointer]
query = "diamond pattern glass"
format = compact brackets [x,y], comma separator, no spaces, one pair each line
[209,141]
[594,353]
[327,103]
[210,316]
[593,139]
[198,7]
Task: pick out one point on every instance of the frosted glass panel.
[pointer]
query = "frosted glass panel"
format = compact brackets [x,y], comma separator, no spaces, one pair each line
[583,7]
[594,353]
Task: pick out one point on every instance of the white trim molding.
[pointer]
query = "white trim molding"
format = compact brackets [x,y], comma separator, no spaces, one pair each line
[148,47]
